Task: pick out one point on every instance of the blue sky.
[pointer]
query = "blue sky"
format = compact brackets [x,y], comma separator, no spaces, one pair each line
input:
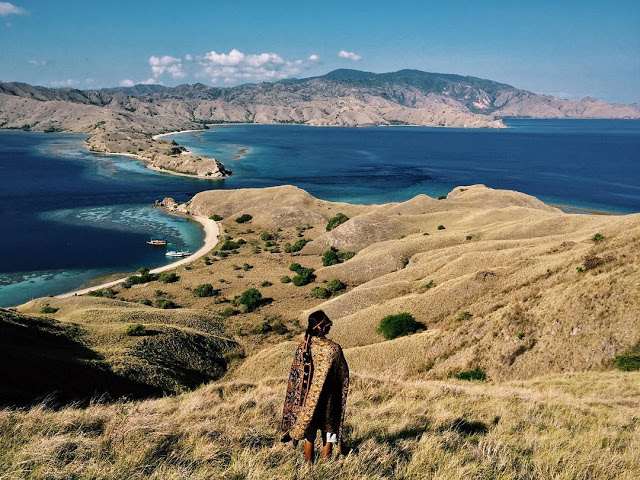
[564,48]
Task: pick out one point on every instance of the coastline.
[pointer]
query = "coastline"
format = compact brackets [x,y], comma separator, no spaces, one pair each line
[161,135]
[211,230]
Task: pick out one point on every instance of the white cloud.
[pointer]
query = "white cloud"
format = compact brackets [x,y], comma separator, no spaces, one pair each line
[166,64]
[7,9]
[313,57]
[64,83]
[37,63]
[349,55]
[188,57]
[127,83]
[238,67]
[150,81]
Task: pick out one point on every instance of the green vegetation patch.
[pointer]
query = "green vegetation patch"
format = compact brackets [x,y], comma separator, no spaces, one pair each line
[169,277]
[250,299]
[165,304]
[106,293]
[215,217]
[320,292]
[476,374]
[136,330]
[144,276]
[296,247]
[205,290]
[48,309]
[630,361]
[398,325]
[597,238]
[244,218]
[304,276]
[333,256]
[339,219]
[464,316]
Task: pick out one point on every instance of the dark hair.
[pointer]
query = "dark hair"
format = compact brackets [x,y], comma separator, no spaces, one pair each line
[315,328]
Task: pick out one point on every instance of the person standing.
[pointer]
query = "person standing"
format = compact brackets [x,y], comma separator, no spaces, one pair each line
[317,390]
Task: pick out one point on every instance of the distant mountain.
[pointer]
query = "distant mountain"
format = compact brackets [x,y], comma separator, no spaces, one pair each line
[341,97]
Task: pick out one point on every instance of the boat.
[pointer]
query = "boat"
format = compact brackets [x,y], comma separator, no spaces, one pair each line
[178,253]
[157,242]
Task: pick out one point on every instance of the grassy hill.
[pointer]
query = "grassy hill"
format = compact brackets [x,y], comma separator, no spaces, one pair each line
[540,305]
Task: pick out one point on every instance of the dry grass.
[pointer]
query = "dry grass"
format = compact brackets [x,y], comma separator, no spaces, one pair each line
[584,426]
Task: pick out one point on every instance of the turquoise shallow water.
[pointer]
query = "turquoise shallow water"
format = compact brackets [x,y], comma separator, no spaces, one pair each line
[69,216]
[592,164]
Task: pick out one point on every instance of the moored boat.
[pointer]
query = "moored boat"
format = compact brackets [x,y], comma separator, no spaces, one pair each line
[178,253]
[157,242]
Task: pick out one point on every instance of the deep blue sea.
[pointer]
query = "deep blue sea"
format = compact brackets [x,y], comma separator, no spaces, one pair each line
[69,216]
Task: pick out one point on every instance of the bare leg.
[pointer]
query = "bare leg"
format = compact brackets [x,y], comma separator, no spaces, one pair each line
[308,451]
[327,449]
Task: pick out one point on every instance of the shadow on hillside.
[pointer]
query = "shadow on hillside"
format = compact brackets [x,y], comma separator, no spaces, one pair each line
[41,361]
[461,426]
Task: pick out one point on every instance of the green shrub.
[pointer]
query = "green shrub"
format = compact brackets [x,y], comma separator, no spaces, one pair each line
[256,250]
[280,328]
[399,325]
[244,218]
[48,309]
[205,290]
[144,276]
[168,277]
[145,301]
[339,219]
[429,284]
[630,361]
[250,298]
[165,304]
[442,197]
[215,217]
[285,279]
[136,330]
[335,285]
[229,245]
[597,238]
[469,375]
[333,257]
[106,293]
[464,316]
[304,276]
[267,283]
[294,267]
[330,257]
[296,247]
[246,267]
[320,292]
[266,236]
[441,227]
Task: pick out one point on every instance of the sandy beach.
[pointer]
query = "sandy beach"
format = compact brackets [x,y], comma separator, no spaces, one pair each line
[160,135]
[211,231]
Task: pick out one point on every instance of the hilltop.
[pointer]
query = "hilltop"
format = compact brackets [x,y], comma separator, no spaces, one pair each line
[539,301]
[124,120]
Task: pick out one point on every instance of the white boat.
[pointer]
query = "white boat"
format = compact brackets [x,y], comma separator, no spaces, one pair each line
[178,253]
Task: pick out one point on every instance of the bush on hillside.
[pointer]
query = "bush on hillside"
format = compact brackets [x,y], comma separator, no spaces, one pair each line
[333,257]
[464,316]
[339,219]
[469,375]
[168,277]
[244,218]
[136,330]
[296,247]
[48,309]
[250,298]
[215,217]
[304,276]
[335,285]
[320,292]
[285,279]
[630,361]
[597,238]
[205,290]
[399,325]
[165,304]
[144,276]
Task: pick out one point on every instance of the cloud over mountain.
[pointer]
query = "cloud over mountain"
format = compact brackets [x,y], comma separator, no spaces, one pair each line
[354,57]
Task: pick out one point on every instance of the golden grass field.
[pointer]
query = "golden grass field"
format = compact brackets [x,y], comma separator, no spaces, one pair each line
[548,309]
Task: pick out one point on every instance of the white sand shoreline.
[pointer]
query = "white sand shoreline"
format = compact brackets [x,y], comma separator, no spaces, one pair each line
[161,135]
[211,230]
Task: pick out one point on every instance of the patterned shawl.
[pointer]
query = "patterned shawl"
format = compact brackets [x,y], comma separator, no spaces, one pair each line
[324,403]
